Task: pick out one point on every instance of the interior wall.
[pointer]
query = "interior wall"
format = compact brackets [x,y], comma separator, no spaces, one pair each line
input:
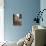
[27,8]
[1,20]
[43,6]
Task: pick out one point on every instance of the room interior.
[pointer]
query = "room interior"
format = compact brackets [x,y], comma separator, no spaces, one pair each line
[22,30]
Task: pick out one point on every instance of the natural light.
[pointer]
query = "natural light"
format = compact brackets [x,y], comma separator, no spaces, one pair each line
[1,24]
[1,21]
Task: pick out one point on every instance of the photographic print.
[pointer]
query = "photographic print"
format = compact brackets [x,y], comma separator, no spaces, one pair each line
[17,19]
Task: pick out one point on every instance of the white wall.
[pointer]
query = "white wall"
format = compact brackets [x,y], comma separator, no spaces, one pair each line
[1,20]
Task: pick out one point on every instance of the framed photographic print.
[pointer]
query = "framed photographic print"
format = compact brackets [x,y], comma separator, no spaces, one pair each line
[17,19]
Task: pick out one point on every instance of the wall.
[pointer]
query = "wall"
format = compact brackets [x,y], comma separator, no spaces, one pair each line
[43,6]
[27,8]
[1,20]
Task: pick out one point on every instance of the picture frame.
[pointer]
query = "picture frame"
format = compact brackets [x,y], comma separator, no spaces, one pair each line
[17,19]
